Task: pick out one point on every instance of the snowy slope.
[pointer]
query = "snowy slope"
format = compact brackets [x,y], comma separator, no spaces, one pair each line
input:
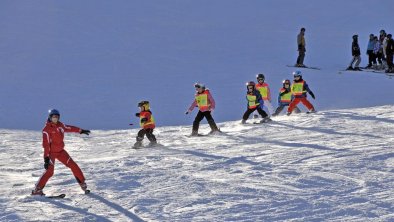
[335,165]
[94,60]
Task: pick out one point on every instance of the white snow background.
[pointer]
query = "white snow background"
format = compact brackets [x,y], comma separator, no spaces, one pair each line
[94,60]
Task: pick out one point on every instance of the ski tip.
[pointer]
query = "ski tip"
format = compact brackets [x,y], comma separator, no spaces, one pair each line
[56,196]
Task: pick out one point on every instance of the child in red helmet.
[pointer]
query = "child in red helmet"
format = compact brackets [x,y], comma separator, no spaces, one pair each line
[147,123]
[255,102]
[52,141]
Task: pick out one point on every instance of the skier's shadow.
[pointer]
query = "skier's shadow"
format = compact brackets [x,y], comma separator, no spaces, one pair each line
[91,216]
[116,207]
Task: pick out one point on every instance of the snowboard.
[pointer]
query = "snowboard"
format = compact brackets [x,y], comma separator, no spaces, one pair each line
[304,67]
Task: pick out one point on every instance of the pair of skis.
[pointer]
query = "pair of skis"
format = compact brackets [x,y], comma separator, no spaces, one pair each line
[61,196]
[304,67]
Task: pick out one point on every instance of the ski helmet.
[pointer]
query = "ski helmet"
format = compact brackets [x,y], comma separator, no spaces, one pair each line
[286,81]
[144,104]
[355,36]
[297,73]
[260,76]
[250,83]
[52,112]
[199,85]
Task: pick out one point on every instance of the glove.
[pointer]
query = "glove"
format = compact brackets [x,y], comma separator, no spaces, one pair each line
[46,162]
[143,120]
[187,112]
[313,95]
[137,114]
[86,132]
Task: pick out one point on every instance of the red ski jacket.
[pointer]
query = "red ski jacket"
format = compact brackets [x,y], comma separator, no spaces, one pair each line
[53,135]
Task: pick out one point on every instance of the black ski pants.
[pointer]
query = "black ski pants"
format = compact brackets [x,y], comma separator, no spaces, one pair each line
[390,61]
[148,133]
[281,107]
[208,116]
[250,111]
[300,59]
[371,57]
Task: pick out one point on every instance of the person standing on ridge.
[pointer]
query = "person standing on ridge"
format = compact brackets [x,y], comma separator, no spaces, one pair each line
[376,51]
[382,54]
[356,55]
[147,123]
[371,56]
[206,104]
[389,53]
[301,48]
[299,90]
[255,102]
[53,144]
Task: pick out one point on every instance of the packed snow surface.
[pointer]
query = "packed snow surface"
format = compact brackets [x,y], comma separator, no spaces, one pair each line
[334,165]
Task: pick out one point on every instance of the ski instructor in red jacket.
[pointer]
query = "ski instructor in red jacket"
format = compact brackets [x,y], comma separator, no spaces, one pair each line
[52,141]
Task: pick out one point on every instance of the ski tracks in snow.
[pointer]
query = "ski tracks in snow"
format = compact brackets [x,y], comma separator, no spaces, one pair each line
[333,164]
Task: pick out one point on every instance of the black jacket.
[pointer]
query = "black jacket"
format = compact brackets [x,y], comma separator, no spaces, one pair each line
[355,49]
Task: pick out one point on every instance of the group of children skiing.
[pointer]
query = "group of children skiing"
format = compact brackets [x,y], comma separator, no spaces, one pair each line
[290,95]
[257,96]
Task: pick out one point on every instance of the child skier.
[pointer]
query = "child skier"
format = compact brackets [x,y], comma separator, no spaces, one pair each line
[285,97]
[147,123]
[53,144]
[299,90]
[265,92]
[206,104]
[255,102]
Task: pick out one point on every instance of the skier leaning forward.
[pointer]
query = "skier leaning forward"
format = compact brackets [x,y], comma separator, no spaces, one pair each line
[299,90]
[285,97]
[255,102]
[53,135]
[206,104]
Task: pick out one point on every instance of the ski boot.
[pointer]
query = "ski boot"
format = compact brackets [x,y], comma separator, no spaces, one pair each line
[357,69]
[311,111]
[137,145]
[194,133]
[84,187]
[288,113]
[243,121]
[152,144]
[213,126]
[37,192]
[266,120]
[350,68]
[215,132]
